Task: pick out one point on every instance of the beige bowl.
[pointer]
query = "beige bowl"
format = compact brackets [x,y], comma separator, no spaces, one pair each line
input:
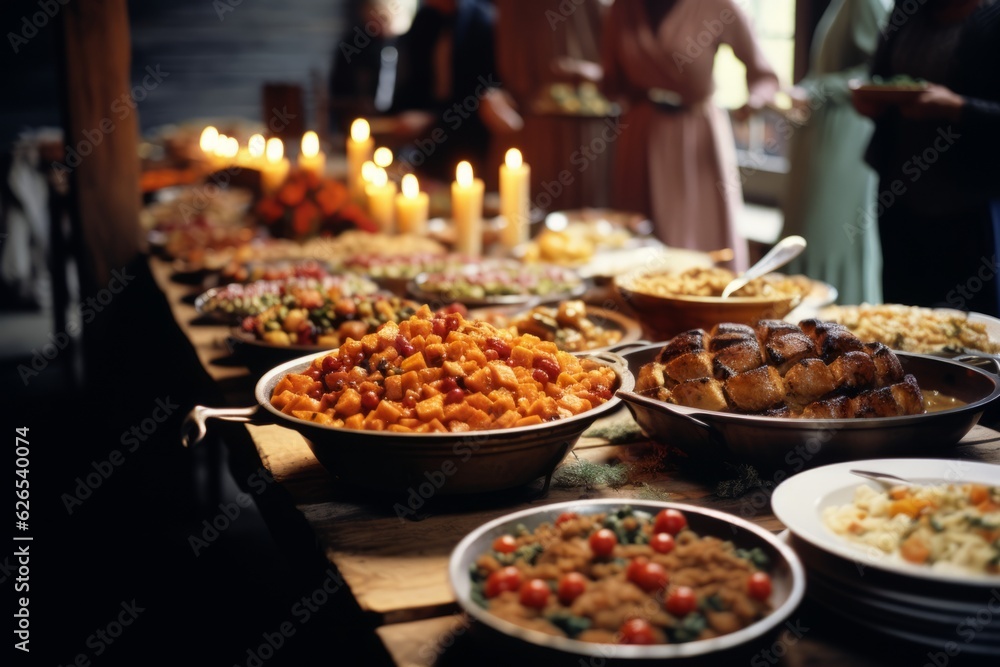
[663,317]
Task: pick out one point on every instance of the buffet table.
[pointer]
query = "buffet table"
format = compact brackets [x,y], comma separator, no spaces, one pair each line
[392,552]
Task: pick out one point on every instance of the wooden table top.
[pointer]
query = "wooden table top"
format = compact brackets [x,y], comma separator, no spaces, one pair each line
[395,562]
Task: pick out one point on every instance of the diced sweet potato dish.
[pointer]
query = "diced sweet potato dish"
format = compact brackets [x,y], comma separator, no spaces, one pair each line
[441,373]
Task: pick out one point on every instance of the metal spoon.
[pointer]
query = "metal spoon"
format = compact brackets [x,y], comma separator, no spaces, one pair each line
[782,253]
[885,479]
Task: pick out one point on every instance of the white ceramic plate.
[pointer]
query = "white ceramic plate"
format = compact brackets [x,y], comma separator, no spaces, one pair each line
[799,503]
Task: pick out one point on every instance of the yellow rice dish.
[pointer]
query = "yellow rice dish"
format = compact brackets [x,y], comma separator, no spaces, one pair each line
[948,527]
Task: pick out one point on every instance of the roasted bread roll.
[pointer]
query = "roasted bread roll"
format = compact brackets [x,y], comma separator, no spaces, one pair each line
[818,370]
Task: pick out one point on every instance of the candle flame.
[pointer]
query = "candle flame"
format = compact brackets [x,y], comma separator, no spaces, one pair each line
[380,178]
[463,174]
[360,130]
[275,150]
[256,146]
[368,171]
[382,157]
[410,186]
[513,159]
[209,139]
[310,144]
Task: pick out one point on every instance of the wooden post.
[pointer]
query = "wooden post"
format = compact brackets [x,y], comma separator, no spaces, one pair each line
[102,132]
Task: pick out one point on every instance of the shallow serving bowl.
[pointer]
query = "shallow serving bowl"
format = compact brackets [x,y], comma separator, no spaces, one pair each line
[786,572]
[454,463]
[663,317]
[602,317]
[798,443]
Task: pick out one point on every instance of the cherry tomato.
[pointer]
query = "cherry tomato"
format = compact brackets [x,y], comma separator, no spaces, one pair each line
[603,541]
[535,593]
[648,576]
[681,601]
[369,400]
[669,521]
[571,586]
[505,544]
[662,543]
[637,631]
[759,586]
[507,579]
[566,516]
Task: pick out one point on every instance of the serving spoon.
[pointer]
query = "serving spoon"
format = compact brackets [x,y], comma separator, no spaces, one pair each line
[782,253]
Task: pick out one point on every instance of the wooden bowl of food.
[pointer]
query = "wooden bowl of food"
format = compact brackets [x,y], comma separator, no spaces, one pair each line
[669,302]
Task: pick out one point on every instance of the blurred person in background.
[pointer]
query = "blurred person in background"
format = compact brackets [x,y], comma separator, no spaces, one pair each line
[830,197]
[365,61]
[937,155]
[676,158]
[435,85]
[449,85]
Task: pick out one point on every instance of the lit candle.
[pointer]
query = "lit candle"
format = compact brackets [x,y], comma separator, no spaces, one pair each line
[360,148]
[368,170]
[515,198]
[381,200]
[255,148]
[312,159]
[412,207]
[226,150]
[467,210]
[274,169]
[382,157]
[209,138]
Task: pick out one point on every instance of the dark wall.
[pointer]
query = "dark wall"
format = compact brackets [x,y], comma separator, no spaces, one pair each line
[212,62]
[216,60]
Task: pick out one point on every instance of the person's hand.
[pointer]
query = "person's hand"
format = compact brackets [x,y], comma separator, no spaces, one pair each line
[935,103]
[498,112]
[866,107]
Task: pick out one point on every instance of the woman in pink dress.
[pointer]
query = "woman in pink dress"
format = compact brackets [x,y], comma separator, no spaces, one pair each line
[676,157]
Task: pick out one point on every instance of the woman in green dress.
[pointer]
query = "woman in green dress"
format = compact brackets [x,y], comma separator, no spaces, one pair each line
[831,191]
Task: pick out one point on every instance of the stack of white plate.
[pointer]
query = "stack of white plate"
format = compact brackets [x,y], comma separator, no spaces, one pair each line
[951,611]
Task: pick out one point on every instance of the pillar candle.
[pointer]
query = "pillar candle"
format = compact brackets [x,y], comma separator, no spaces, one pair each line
[467,210]
[382,201]
[515,199]
[360,148]
[412,207]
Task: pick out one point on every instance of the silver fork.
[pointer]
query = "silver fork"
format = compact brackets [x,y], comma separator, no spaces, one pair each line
[885,479]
